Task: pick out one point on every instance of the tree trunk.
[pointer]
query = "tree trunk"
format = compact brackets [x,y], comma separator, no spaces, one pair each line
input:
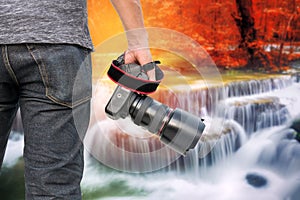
[286,35]
[257,58]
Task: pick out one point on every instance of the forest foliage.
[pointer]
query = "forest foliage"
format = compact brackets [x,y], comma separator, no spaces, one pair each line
[258,34]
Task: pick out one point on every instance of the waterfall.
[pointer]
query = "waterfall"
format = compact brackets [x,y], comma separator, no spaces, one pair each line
[232,113]
[213,148]
[248,150]
[256,112]
[244,107]
[253,110]
[245,88]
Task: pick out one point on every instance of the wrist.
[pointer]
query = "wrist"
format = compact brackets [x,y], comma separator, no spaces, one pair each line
[137,39]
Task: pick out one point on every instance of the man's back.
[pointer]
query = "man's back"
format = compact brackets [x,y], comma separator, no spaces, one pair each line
[43,21]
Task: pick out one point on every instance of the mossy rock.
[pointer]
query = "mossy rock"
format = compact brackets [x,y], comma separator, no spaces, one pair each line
[296,126]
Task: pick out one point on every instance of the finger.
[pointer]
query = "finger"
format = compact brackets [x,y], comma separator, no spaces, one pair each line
[143,56]
[129,57]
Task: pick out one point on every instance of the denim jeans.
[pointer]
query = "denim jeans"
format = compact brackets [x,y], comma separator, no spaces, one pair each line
[51,84]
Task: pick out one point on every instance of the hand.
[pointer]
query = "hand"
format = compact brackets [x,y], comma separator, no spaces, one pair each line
[141,57]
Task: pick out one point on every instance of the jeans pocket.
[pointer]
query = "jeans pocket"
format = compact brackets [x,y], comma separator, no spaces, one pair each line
[66,72]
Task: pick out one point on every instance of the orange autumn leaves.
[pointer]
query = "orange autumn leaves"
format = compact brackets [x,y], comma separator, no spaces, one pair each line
[209,22]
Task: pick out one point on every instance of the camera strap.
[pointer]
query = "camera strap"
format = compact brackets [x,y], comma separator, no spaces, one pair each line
[133,76]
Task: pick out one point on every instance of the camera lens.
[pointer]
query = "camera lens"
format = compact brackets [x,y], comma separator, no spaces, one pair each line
[177,128]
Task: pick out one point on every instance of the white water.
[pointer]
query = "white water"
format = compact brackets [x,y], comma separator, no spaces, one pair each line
[225,181]
[267,153]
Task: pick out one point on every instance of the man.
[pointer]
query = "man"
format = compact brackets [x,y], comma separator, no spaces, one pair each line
[45,71]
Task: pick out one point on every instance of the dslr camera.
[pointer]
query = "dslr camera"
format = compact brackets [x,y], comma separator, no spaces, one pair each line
[176,128]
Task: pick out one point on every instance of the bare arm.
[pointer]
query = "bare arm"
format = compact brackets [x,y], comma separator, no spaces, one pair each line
[130,13]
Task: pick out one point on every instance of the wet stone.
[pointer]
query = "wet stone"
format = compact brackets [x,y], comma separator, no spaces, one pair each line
[298,137]
[256,180]
[296,126]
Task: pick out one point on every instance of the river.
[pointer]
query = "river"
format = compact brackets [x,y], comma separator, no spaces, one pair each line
[255,157]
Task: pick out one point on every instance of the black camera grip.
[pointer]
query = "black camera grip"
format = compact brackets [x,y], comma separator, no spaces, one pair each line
[134,77]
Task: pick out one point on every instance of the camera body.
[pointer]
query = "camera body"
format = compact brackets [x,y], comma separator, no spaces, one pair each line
[176,128]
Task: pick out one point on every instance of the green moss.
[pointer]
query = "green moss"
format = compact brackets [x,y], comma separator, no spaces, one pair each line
[296,126]
[12,182]
[116,188]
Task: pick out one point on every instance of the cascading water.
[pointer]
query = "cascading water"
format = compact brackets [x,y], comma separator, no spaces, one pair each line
[255,112]
[255,157]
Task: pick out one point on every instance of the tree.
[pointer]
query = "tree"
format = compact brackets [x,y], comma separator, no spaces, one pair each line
[257,58]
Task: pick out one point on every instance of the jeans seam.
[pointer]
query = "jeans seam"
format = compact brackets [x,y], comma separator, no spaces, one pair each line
[44,75]
[41,69]
[8,66]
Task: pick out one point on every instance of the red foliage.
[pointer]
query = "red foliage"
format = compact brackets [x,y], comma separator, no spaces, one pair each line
[275,21]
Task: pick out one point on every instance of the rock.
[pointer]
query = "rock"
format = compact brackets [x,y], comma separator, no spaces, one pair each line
[256,180]
[298,137]
[296,126]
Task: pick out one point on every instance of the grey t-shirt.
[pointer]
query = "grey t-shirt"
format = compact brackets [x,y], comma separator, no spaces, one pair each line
[44,21]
